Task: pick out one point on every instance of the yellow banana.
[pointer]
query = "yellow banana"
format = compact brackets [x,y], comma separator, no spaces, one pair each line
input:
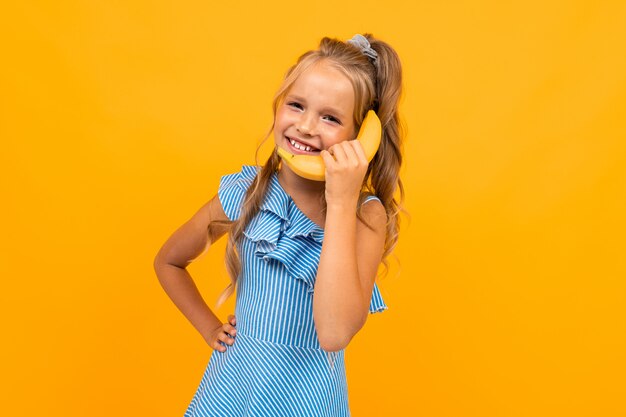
[312,166]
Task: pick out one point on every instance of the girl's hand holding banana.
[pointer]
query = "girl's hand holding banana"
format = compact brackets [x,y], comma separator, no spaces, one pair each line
[312,166]
[345,167]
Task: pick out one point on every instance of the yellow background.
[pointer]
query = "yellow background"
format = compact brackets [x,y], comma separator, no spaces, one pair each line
[118,119]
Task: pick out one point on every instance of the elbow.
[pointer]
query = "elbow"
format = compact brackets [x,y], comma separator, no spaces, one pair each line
[158,269]
[335,335]
[336,339]
[157,263]
[333,343]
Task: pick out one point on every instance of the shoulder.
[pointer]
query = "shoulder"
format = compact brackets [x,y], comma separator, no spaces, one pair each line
[372,206]
[374,213]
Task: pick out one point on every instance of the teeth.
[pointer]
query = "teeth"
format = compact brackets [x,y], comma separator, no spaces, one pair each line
[302,147]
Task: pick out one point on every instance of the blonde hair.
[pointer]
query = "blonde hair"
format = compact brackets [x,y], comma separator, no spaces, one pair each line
[378,86]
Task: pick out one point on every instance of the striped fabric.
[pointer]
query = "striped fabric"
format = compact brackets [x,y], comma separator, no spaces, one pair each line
[276,366]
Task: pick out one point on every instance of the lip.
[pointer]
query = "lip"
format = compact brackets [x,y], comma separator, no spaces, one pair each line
[297,151]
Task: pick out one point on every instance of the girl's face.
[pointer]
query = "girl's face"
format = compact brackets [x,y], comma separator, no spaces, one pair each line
[317,111]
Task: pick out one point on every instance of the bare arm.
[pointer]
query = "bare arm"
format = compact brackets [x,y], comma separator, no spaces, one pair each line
[345,279]
[185,245]
[351,252]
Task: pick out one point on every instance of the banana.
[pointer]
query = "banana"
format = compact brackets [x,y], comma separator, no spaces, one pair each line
[312,166]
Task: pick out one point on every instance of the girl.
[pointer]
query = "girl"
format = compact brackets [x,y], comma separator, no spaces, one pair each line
[302,254]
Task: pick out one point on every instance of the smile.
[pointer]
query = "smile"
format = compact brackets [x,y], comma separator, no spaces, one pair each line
[302,146]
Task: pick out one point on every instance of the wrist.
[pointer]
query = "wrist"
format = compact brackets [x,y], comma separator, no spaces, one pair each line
[210,329]
[341,206]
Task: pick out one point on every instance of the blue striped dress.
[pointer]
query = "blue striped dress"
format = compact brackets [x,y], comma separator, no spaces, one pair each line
[276,366]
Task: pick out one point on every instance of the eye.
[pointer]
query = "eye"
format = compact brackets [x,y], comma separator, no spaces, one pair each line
[295,104]
[332,119]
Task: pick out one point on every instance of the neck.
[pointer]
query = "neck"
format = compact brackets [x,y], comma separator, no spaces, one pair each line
[295,185]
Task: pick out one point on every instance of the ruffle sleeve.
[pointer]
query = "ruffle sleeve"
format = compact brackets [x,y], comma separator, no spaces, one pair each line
[232,189]
[377,304]
[282,233]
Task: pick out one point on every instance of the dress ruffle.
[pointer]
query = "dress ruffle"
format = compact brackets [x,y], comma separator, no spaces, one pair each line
[281,231]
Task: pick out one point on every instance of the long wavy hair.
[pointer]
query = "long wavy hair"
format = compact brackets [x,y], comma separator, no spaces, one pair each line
[377,86]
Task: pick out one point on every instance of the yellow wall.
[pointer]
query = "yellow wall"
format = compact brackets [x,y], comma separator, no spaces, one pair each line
[118,119]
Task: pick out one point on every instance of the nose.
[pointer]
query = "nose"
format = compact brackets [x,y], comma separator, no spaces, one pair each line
[305,125]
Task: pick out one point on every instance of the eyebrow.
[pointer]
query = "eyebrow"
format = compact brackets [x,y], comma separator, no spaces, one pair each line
[327,109]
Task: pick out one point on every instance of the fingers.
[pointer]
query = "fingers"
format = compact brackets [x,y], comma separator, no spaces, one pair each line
[327,157]
[339,152]
[347,154]
[225,334]
[354,152]
[359,151]
[229,330]
[217,345]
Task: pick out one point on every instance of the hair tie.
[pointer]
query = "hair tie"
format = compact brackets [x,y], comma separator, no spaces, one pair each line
[363,44]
